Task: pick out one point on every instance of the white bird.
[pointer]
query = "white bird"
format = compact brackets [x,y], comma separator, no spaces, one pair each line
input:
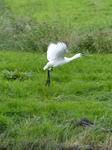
[56,57]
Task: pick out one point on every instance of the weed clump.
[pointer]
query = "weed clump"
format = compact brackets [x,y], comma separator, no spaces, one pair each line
[94,43]
[16,75]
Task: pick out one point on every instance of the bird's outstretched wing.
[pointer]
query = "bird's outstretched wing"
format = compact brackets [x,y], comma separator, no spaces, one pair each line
[56,50]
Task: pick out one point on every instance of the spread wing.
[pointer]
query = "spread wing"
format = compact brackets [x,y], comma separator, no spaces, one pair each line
[56,51]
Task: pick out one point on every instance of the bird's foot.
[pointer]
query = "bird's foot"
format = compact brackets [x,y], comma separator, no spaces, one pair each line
[47,82]
[52,69]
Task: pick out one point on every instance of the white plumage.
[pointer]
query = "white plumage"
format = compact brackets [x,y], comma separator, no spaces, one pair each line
[56,53]
[56,57]
[56,50]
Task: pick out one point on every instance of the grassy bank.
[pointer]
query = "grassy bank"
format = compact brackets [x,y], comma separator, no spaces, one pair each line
[83,14]
[85,27]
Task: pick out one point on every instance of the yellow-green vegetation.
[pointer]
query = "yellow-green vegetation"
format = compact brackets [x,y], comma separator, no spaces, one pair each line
[85,13]
[34,116]
[32,25]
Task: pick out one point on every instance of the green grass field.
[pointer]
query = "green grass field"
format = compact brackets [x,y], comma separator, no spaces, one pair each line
[34,116]
[84,14]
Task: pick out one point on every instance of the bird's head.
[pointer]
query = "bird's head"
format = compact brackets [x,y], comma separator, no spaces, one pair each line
[79,55]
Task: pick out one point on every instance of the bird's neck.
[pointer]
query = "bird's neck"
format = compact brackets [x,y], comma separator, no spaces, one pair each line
[72,58]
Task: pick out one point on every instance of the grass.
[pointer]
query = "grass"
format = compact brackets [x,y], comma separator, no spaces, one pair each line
[33,115]
[84,26]
[84,14]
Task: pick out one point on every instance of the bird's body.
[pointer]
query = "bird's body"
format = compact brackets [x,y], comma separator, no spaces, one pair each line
[56,56]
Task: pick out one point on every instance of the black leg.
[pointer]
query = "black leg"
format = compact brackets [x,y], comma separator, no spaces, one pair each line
[48,78]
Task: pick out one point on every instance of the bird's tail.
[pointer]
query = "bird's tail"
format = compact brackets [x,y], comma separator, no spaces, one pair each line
[45,67]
